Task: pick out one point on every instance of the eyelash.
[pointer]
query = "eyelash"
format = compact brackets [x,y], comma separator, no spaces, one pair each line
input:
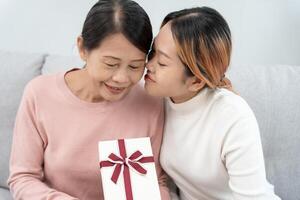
[151,55]
[133,67]
[162,65]
[111,66]
[115,65]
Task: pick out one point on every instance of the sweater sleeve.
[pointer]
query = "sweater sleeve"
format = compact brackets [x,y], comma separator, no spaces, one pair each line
[26,179]
[156,139]
[242,155]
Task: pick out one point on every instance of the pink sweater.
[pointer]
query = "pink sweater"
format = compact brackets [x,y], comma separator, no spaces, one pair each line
[55,144]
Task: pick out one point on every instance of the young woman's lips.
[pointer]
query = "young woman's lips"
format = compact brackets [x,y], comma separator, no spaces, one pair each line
[149,78]
[115,90]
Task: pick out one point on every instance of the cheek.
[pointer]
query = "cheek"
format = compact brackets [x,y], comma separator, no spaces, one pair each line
[169,78]
[136,76]
[170,82]
[99,73]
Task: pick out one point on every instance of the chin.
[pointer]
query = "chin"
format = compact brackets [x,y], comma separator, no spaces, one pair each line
[148,89]
[112,99]
[110,96]
[152,91]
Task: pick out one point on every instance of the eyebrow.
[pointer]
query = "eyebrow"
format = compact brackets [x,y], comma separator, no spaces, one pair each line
[136,60]
[160,51]
[112,57]
[163,53]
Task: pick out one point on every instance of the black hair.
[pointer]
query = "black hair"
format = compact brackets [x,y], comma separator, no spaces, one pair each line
[108,17]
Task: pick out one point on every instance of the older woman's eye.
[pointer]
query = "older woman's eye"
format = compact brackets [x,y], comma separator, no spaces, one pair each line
[111,65]
[134,67]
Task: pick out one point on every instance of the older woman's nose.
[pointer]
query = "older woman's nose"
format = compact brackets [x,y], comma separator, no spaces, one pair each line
[121,76]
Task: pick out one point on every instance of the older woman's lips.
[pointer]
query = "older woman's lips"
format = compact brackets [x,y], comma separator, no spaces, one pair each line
[114,90]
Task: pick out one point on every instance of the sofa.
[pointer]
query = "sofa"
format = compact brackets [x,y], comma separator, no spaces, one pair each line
[273,92]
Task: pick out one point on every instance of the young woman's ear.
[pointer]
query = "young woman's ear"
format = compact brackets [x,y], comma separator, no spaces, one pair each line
[194,84]
[82,51]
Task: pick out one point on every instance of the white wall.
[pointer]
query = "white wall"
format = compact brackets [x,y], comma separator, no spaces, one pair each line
[264,31]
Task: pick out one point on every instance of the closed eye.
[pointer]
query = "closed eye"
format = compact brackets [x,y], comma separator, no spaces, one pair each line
[161,64]
[134,67]
[111,65]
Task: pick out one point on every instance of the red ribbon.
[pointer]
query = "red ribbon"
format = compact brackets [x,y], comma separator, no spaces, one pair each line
[133,161]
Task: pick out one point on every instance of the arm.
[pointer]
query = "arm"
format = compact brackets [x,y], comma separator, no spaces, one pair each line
[174,192]
[242,155]
[156,139]
[26,161]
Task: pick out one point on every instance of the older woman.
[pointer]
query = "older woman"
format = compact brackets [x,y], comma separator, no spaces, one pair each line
[63,116]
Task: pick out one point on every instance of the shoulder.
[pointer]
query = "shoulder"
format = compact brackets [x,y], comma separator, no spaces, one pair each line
[41,87]
[231,114]
[236,117]
[228,103]
[42,83]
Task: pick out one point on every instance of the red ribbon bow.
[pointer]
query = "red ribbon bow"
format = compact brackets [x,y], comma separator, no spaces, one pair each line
[134,162]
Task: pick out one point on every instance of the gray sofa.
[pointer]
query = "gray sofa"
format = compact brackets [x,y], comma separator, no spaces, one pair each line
[273,92]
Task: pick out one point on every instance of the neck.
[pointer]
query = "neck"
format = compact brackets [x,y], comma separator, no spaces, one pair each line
[82,86]
[184,98]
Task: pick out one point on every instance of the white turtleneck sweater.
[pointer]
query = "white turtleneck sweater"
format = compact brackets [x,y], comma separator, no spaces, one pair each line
[212,148]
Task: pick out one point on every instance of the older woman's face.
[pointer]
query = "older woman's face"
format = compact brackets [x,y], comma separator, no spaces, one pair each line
[114,67]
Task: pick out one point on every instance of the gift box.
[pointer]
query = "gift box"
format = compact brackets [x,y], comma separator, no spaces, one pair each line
[128,170]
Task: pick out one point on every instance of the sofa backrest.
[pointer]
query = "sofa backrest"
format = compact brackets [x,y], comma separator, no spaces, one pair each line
[58,63]
[273,92]
[16,69]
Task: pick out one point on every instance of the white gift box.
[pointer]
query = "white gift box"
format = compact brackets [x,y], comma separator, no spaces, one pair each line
[138,168]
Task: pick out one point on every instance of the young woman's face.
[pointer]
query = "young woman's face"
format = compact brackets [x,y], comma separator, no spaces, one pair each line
[166,75]
[114,67]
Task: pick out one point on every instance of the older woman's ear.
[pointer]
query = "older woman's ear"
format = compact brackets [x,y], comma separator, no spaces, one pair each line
[82,51]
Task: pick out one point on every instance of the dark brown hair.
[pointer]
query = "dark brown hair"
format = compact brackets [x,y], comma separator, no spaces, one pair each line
[108,17]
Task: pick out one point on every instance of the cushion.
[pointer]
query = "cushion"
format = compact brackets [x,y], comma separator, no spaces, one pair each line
[16,69]
[58,63]
[273,92]
[5,194]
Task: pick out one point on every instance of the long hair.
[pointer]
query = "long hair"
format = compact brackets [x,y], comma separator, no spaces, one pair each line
[203,42]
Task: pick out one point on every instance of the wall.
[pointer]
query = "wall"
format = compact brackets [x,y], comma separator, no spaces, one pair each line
[264,32]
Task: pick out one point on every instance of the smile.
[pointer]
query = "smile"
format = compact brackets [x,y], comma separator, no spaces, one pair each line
[114,90]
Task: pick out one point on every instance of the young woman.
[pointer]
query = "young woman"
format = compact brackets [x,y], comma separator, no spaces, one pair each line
[211,145]
[63,116]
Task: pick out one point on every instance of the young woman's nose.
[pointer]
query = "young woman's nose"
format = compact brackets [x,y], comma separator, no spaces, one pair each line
[150,65]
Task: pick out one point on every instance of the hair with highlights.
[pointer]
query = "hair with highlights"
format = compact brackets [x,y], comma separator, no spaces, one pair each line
[203,42]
